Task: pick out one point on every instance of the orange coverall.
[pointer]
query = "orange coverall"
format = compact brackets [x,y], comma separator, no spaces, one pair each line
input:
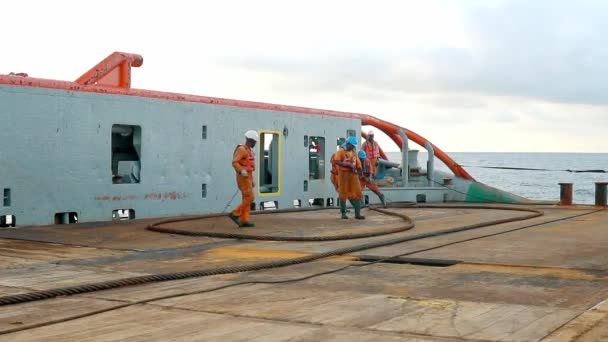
[349,188]
[366,181]
[244,159]
[334,172]
[372,151]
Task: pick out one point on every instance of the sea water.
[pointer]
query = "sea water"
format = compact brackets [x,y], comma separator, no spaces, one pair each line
[532,184]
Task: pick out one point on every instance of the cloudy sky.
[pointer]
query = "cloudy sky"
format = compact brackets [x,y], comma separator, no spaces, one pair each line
[467,75]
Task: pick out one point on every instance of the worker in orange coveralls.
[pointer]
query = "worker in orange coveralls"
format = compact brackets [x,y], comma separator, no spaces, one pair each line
[348,178]
[367,177]
[243,162]
[334,170]
[372,151]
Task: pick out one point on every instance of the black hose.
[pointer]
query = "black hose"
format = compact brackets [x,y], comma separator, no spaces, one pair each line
[106,285]
[156,228]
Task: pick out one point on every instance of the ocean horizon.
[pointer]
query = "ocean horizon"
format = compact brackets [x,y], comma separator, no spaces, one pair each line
[541,184]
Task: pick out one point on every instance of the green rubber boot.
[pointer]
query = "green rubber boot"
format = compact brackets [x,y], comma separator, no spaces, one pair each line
[343,209]
[235,218]
[357,205]
[246,225]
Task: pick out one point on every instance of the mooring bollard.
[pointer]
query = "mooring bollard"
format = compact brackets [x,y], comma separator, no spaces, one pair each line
[565,193]
[600,193]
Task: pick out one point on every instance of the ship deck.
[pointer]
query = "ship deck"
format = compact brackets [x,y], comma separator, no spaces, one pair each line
[544,278]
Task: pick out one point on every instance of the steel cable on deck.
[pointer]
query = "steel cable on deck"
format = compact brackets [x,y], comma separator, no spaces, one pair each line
[156,228]
[106,285]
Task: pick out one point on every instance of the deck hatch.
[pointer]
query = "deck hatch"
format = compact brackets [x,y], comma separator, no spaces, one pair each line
[411,261]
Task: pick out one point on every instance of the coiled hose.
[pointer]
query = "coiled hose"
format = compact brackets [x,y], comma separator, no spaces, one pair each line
[409,224]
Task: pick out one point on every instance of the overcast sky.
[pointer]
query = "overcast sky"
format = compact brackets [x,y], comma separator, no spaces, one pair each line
[467,75]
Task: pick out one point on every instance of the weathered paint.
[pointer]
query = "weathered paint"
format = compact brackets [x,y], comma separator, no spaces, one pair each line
[56,156]
[480,193]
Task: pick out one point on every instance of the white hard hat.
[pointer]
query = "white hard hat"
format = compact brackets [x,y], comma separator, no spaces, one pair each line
[371,132]
[253,135]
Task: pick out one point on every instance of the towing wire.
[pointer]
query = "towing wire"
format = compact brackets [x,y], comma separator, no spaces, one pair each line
[280,281]
[409,224]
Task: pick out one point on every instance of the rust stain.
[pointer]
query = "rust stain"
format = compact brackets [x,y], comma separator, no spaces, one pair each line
[246,253]
[116,198]
[173,195]
[530,271]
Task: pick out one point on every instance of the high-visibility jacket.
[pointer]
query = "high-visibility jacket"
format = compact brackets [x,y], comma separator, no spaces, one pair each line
[372,150]
[350,158]
[334,166]
[246,161]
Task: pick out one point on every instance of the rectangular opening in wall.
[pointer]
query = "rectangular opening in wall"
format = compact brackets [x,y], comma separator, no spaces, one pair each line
[204,190]
[270,168]
[204,134]
[7,221]
[66,218]
[420,198]
[351,133]
[330,202]
[269,205]
[123,214]
[306,141]
[297,203]
[6,197]
[316,202]
[126,154]
[305,185]
[316,158]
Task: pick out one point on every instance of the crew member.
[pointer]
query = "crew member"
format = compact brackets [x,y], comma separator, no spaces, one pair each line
[348,178]
[334,169]
[367,177]
[243,162]
[372,151]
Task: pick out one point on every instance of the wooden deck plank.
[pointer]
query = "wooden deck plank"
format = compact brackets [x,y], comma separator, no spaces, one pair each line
[490,321]
[502,301]
[153,323]
[43,277]
[26,314]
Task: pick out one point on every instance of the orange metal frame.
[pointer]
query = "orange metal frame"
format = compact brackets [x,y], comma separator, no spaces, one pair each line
[113,76]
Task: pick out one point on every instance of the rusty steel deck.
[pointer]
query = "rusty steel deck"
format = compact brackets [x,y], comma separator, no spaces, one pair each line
[545,281]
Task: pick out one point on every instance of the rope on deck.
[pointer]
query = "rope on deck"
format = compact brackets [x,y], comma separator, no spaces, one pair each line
[409,224]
